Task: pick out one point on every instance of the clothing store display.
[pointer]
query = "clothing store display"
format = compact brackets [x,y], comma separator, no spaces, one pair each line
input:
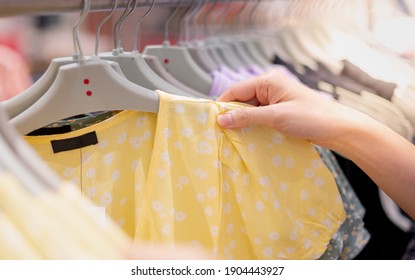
[228,178]
[165,172]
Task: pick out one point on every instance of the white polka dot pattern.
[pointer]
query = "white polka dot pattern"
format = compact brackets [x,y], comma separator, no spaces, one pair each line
[176,177]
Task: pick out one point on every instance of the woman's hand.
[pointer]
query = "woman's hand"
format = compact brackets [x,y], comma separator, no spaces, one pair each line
[291,108]
[299,112]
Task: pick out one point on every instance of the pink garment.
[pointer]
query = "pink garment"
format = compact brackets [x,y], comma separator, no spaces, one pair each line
[14,73]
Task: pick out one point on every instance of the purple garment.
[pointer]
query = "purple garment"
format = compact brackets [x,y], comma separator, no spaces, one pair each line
[236,77]
[254,70]
[220,84]
[224,77]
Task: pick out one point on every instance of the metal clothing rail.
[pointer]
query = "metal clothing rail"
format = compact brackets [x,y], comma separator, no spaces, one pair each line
[24,7]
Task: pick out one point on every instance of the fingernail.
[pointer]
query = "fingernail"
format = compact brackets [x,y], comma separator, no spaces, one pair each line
[225,120]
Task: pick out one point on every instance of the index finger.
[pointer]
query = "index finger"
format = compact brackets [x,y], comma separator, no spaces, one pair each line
[242,91]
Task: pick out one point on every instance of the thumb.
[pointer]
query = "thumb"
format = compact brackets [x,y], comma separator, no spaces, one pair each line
[244,116]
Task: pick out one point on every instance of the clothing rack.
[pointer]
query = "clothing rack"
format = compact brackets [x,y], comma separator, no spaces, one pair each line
[23,7]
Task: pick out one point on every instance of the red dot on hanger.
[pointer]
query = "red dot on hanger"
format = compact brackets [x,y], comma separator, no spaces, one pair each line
[86,81]
[89,93]
[166,61]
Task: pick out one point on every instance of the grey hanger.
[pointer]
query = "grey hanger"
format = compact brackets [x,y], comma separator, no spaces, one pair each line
[218,47]
[28,97]
[133,64]
[247,39]
[154,63]
[178,62]
[233,41]
[21,160]
[86,86]
[158,68]
[197,48]
[208,33]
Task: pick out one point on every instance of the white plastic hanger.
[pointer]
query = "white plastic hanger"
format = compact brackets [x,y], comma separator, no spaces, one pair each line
[133,64]
[249,38]
[196,46]
[178,62]
[234,41]
[25,99]
[211,50]
[154,63]
[298,56]
[12,164]
[316,45]
[86,86]
[20,160]
[276,44]
[28,97]
[216,44]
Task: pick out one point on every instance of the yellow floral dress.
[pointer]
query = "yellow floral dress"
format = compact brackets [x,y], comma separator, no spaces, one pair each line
[178,177]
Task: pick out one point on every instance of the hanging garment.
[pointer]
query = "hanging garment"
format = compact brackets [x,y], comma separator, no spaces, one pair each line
[377,110]
[382,88]
[223,77]
[74,123]
[220,83]
[54,225]
[357,95]
[352,236]
[176,177]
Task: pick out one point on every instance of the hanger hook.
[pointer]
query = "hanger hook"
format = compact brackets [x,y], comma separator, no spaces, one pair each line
[181,20]
[251,18]
[78,54]
[196,21]
[98,30]
[137,28]
[129,9]
[226,13]
[216,15]
[166,41]
[236,20]
[207,30]
[188,17]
